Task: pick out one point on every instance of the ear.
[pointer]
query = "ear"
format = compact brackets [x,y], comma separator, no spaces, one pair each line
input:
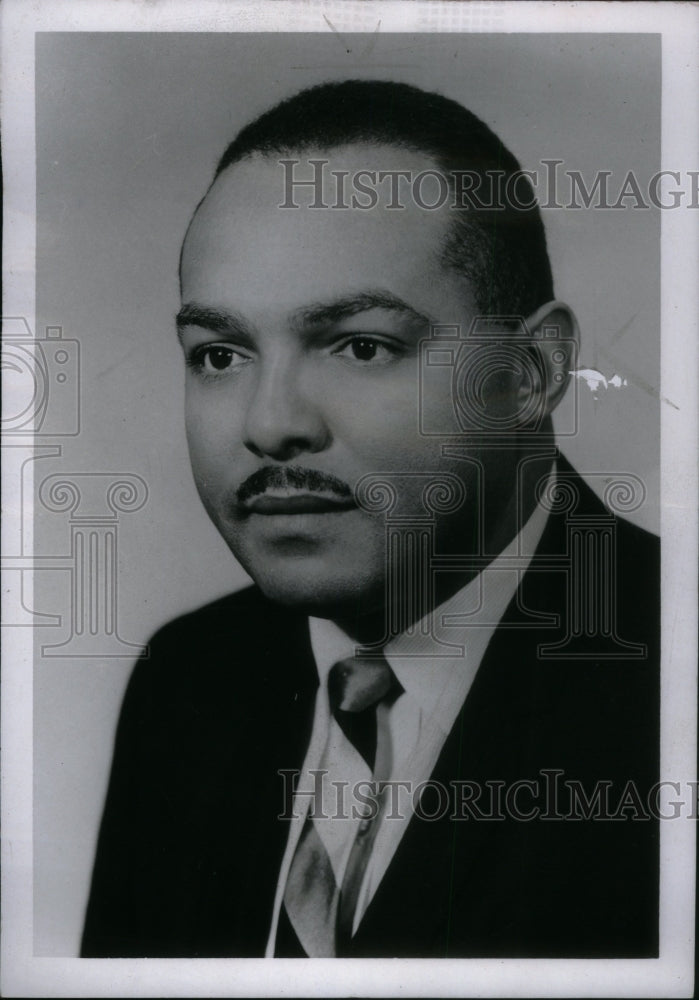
[555,335]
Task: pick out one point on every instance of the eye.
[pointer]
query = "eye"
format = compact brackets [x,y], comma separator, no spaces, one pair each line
[214,359]
[366,349]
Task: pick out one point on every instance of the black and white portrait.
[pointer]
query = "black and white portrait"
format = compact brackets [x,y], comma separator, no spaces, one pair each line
[349,456]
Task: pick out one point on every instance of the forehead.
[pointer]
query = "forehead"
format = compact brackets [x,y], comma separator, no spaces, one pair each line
[243,249]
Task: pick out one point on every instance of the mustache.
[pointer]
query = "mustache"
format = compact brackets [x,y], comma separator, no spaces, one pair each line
[291,477]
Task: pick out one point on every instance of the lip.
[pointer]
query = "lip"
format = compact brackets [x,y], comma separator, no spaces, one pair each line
[301,503]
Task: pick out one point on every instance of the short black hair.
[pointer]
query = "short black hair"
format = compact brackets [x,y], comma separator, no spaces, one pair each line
[500,249]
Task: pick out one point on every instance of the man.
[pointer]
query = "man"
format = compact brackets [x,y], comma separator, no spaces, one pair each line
[431,727]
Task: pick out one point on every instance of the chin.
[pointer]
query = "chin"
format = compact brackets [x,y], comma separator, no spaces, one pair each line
[321,576]
[317,590]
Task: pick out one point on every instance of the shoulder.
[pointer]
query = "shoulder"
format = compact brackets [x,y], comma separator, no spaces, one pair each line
[630,554]
[232,644]
[228,617]
[603,577]
[633,542]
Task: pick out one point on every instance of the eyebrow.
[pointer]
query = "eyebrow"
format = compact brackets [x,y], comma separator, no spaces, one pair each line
[226,321]
[210,318]
[351,305]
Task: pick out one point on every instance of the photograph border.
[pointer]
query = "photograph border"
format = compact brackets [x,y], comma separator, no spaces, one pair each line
[671,974]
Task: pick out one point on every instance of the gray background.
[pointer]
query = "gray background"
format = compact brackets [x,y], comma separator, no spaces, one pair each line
[129,128]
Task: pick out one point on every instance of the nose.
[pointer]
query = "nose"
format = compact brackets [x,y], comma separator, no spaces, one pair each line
[282,420]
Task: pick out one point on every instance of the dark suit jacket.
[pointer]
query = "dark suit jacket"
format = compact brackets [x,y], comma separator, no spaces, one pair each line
[191,843]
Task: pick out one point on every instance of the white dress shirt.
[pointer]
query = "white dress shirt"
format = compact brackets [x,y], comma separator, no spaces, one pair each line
[413,729]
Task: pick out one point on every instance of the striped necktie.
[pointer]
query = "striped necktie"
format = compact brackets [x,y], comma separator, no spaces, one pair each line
[318,910]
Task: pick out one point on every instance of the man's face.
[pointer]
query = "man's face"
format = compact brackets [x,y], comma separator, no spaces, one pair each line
[301,332]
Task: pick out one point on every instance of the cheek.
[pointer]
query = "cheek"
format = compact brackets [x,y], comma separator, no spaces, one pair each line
[398,444]
[379,420]
[199,447]
[209,462]
[209,427]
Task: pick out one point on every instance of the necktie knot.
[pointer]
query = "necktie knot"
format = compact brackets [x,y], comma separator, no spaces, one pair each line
[357,683]
[355,687]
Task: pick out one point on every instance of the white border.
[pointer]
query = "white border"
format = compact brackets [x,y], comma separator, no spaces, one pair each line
[671,974]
